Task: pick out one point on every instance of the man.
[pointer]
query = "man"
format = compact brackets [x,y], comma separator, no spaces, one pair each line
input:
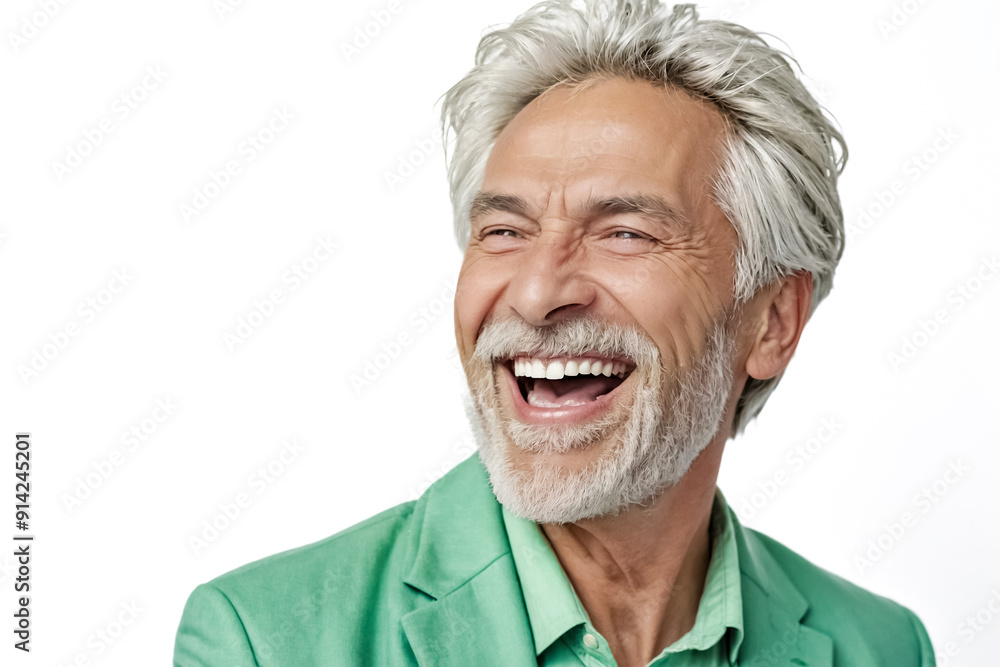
[649,212]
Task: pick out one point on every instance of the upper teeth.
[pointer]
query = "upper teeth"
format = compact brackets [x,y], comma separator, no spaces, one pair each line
[557,369]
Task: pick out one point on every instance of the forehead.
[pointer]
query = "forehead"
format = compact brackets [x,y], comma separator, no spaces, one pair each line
[607,137]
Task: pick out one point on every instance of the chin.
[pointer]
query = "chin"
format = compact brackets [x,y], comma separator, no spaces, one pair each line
[564,449]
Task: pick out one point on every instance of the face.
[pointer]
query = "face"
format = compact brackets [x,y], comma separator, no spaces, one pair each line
[594,307]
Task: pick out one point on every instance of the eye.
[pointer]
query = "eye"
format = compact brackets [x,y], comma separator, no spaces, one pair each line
[509,233]
[628,235]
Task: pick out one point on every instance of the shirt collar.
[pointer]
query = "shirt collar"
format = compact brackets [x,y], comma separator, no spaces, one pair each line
[552,604]
[554,608]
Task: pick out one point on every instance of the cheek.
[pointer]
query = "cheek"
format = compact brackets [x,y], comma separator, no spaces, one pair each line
[674,298]
[476,294]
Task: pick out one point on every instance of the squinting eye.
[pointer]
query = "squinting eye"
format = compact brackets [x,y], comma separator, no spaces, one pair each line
[629,236]
[501,232]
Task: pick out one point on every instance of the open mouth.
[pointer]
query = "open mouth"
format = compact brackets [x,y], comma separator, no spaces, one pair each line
[564,382]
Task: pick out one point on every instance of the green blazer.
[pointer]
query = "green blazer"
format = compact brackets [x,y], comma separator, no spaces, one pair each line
[432,582]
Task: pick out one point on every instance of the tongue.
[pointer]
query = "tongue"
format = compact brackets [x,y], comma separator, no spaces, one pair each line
[570,391]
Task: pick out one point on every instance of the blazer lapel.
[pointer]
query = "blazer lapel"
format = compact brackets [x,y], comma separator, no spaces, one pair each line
[460,558]
[773,610]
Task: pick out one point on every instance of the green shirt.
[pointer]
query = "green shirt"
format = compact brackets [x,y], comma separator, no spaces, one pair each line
[562,630]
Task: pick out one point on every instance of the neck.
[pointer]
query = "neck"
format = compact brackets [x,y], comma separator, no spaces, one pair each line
[640,574]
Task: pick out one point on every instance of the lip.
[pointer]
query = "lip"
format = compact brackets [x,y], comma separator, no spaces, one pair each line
[570,415]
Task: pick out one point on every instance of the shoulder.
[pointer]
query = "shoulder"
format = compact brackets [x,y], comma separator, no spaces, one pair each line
[338,559]
[341,600]
[375,548]
[293,607]
[829,595]
[866,628]
[375,539]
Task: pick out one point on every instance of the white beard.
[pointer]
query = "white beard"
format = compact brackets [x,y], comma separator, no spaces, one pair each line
[649,447]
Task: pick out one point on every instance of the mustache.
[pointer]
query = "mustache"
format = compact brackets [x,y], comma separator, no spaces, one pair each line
[503,339]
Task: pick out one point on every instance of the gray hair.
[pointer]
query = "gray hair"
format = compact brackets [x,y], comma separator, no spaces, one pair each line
[778,181]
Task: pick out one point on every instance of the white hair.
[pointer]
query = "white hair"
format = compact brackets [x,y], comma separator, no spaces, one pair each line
[778,182]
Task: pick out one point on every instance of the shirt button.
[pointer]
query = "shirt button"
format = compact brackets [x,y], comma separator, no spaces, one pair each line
[590,641]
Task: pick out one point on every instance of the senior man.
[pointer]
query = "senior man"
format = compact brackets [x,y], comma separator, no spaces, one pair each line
[648,207]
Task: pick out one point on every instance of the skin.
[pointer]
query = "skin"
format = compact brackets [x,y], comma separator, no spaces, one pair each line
[640,574]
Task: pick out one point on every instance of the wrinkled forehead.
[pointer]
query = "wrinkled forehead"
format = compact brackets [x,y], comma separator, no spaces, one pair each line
[615,134]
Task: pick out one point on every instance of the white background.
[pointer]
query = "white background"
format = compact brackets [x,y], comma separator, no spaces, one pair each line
[898,426]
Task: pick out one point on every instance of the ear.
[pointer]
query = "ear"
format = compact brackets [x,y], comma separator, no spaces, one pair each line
[784,312]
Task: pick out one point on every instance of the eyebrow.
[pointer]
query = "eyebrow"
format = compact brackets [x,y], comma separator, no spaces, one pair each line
[649,206]
[490,202]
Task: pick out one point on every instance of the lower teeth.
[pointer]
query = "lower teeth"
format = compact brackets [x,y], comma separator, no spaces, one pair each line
[539,403]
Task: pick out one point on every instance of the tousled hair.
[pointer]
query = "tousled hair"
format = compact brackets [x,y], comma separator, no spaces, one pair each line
[782,155]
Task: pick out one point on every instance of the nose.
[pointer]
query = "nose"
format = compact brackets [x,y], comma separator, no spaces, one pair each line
[550,283]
